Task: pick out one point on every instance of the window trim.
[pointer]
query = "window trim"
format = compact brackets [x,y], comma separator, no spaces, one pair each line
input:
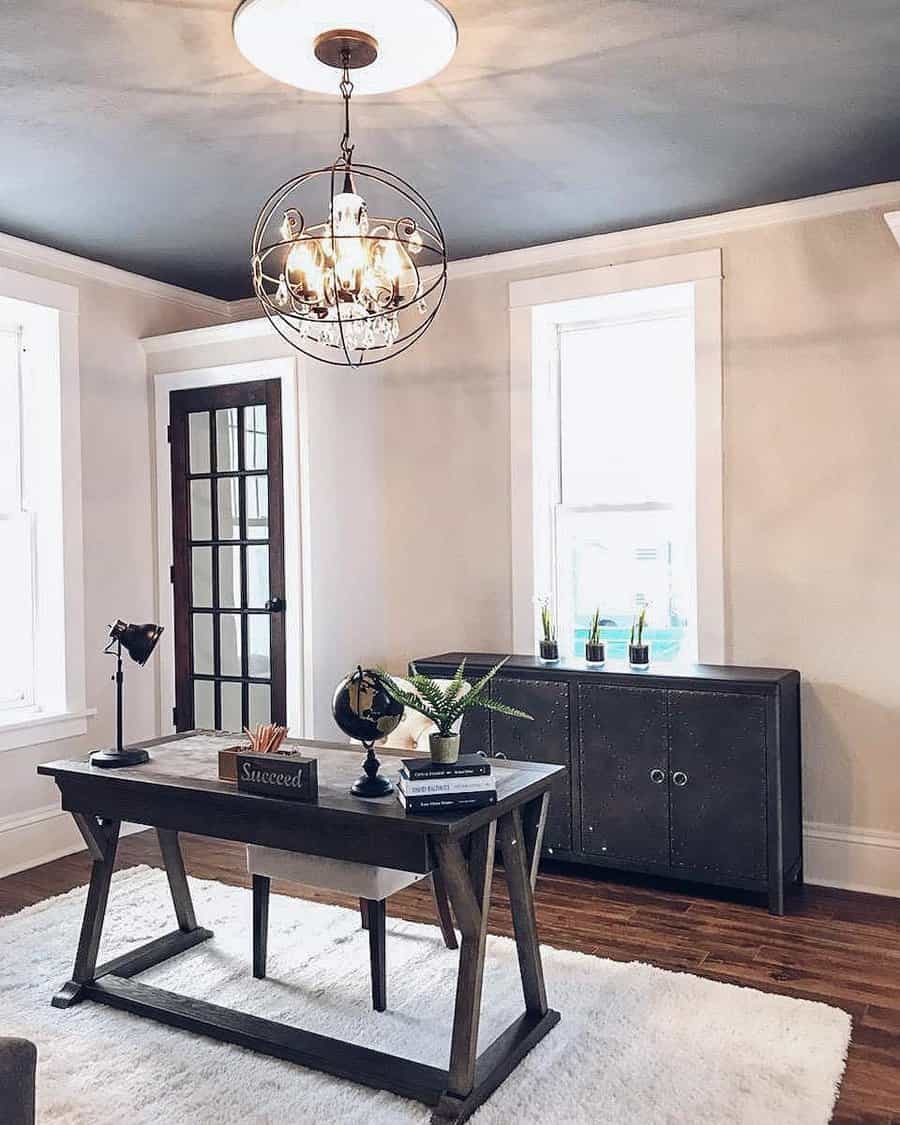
[530,557]
[64,717]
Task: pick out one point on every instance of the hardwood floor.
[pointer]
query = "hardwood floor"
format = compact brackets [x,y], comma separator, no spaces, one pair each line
[833,946]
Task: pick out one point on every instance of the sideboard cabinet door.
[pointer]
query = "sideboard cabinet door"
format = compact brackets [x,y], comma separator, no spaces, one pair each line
[545,739]
[624,773]
[717,762]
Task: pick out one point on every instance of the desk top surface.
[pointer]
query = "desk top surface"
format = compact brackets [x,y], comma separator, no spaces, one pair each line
[188,764]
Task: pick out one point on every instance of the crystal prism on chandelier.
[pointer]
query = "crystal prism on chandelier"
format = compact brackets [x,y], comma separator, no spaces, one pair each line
[363,282]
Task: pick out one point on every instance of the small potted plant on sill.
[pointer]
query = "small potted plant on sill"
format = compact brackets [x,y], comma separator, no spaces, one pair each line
[548,649]
[446,707]
[594,646]
[638,650]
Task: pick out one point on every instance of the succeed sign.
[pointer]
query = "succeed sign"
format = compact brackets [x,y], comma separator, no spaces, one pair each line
[289,776]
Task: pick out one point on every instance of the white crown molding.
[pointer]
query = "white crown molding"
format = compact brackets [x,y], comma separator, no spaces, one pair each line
[38,254]
[892,218]
[248,308]
[258,328]
[705,226]
[794,210]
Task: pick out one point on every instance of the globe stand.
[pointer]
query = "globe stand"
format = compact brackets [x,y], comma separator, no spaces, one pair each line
[371,784]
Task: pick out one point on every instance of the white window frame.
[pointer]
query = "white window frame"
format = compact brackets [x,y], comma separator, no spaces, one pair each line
[530,375]
[295,471]
[49,321]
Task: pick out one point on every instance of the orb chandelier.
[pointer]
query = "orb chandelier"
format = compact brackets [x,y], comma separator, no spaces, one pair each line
[348,260]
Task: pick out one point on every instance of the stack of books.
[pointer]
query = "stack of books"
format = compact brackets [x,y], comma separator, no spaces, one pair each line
[429,787]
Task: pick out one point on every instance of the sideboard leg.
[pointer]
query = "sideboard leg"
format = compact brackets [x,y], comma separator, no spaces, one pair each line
[776,896]
[104,839]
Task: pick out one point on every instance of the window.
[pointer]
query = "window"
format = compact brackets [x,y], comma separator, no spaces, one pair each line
[17,561]
[622,465]
[41,643]
[623,516]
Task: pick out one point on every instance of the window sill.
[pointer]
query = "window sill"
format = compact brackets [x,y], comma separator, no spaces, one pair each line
[40,727]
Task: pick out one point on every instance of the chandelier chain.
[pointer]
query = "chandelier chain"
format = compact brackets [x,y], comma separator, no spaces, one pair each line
[346,92]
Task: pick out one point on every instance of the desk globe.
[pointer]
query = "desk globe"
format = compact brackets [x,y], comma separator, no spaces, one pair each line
[364,710]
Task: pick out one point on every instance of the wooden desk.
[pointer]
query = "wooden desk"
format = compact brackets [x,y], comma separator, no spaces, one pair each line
[179,791]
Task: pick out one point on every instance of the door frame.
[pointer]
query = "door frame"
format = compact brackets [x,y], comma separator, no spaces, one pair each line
[298,635]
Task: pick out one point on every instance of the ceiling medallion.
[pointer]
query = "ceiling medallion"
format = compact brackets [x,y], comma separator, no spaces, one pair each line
[365,282]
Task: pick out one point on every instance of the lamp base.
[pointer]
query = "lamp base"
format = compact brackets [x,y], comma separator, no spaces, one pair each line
[111,759]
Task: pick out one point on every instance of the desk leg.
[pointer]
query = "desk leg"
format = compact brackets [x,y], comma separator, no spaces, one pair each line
[178,885]
[468,884]
[534,821]
[102,838]
[514,848]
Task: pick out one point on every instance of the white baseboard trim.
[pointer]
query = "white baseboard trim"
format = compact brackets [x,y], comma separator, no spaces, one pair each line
[39,836]
[854,859]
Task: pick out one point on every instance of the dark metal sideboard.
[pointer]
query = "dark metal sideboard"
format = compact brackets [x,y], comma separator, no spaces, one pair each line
[691,772]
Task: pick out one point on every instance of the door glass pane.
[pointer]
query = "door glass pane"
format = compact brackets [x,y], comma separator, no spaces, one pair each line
[257,507]
[255,451]
[258,663]
[198,427]
[229,513]
[230,642]
[229,577]
[204,708]
[257,576]
[227,440]
[231,707]
[201,515]
[201,576]
[260,705]
[203,643]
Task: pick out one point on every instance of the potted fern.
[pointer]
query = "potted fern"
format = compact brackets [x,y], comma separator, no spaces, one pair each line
[547,647]
[638,650]
[446,707]
[594,646]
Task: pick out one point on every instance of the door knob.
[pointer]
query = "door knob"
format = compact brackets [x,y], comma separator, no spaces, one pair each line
[680,778]
[275,605]
[657,776]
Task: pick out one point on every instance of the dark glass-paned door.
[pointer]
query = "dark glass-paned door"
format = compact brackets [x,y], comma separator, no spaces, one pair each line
[228,542]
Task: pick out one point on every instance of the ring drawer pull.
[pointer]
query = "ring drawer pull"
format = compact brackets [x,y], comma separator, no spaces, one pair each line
[680,778]
[657,776]
[501,755]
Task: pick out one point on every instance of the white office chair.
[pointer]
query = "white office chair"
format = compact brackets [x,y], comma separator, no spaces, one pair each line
[372,885]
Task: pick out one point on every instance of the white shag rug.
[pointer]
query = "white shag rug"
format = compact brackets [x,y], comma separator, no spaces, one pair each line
[636,1045]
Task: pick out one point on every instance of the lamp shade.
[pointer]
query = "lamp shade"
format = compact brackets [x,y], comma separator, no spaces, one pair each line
[139,641]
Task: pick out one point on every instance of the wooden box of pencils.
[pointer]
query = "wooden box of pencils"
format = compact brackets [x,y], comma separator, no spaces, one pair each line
[264,740]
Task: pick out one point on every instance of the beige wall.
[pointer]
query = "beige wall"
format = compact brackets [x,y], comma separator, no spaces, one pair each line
[812,390]
[812,479]
[119,540]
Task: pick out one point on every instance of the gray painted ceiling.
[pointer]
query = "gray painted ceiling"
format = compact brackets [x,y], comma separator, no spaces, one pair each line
[133,131]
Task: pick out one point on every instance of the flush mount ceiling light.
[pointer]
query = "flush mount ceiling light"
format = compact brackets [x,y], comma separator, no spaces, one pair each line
[415,39]
[364,282]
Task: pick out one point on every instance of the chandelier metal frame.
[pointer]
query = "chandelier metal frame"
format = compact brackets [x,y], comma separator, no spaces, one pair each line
[318,329]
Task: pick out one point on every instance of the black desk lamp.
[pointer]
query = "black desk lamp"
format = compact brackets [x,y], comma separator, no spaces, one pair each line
[138,641]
